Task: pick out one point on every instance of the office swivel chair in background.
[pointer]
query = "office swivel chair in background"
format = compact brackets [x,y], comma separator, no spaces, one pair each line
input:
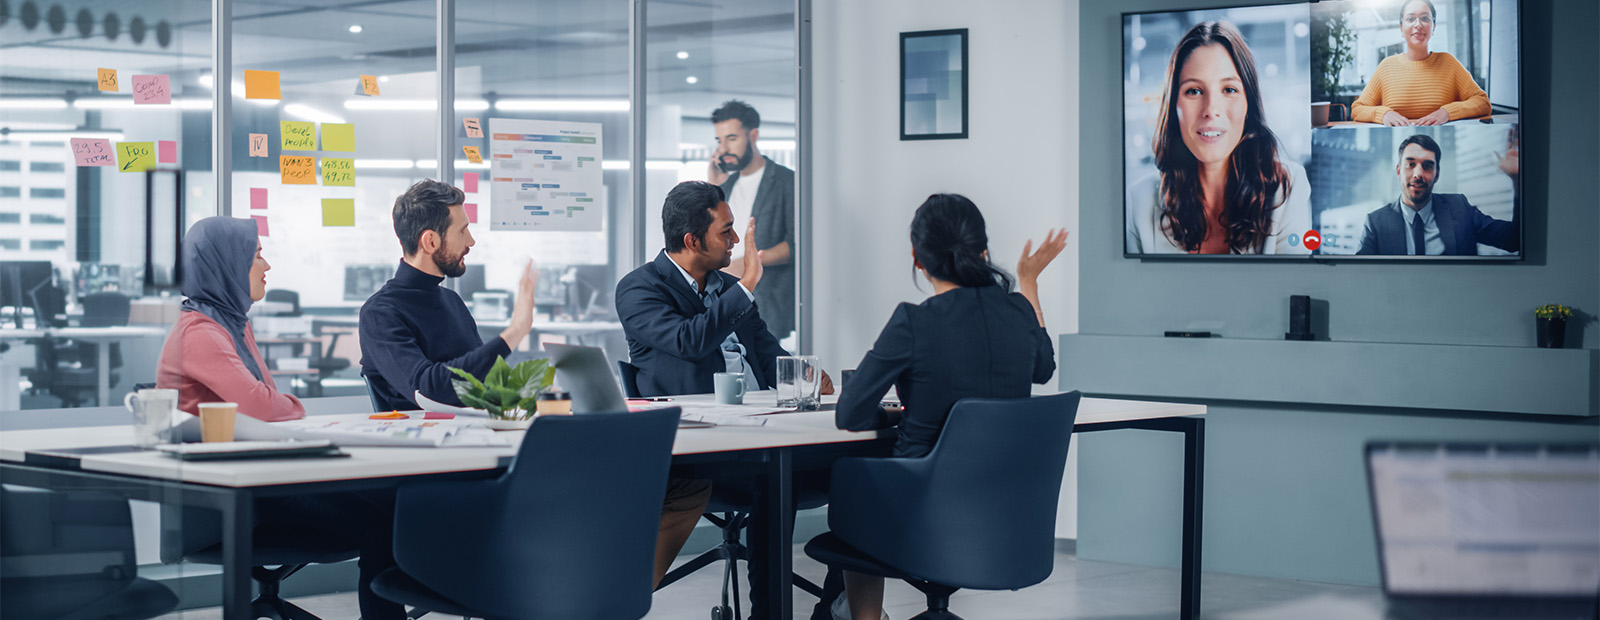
[326,364]
[68,369]
[977,512]
[729,510]
[195,535]
[575,546]
[70,555]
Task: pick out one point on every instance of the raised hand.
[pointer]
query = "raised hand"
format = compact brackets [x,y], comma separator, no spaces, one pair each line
[750,275]
[1032,263]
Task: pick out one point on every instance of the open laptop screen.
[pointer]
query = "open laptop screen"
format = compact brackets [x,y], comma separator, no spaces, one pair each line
[1494,520]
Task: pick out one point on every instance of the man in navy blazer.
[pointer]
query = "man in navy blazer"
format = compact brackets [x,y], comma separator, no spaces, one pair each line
[1425,223]
[686,319]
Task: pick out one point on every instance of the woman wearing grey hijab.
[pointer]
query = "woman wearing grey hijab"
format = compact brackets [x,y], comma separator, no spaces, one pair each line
[211,354]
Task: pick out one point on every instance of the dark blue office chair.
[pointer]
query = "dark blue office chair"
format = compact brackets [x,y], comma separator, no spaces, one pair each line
[70,555]
[372,397]
[630,378]
[195,534]
[977,512]
[568,532]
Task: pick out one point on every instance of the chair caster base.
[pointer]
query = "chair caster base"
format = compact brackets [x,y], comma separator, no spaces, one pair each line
[722,612]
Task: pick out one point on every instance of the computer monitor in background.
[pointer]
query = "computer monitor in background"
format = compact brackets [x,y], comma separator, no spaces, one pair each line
[20,278]
[589,291]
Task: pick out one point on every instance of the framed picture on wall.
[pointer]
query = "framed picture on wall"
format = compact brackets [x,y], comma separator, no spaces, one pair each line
[933,84]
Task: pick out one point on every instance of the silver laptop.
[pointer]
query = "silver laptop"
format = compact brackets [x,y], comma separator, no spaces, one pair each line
[585,373]
[1487,530]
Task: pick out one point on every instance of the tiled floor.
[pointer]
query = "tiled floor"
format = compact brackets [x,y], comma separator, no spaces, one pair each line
[1079,589]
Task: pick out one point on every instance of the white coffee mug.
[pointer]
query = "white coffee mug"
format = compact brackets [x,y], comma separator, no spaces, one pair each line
[152,415]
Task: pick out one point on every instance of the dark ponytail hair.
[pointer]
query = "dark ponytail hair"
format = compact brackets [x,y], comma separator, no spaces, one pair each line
[949,239]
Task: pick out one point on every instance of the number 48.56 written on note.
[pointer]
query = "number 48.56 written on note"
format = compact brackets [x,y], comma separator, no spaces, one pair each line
[338,171]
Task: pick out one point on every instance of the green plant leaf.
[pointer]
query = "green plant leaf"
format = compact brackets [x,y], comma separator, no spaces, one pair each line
[529,405]
[476,402]
[468,376]
[497,373]
[537,377]
[462,388]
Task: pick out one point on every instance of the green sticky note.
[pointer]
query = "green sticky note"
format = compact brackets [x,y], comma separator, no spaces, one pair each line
[298,136]
[338,212]
[339,137]
[336,171]
[136,156]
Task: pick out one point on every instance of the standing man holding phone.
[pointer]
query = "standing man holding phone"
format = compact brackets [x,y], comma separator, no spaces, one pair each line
[757,187]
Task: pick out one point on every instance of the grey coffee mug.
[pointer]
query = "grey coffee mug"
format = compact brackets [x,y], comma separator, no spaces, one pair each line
[730,388]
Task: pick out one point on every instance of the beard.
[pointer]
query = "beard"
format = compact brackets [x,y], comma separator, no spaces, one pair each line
[451,266]
[744,160]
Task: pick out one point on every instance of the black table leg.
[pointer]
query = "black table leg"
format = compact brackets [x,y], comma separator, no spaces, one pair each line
[238,522]
[780,535]
[1194,459]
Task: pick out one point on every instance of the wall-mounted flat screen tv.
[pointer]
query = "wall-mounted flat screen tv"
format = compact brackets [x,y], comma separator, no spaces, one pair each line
[1354,129]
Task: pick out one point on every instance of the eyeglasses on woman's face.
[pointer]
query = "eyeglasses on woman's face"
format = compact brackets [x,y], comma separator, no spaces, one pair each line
[1412,20]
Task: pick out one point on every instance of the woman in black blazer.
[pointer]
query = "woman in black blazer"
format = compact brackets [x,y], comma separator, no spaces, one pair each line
[972,338]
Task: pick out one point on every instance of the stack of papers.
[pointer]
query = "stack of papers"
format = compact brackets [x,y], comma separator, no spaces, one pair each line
[353,430]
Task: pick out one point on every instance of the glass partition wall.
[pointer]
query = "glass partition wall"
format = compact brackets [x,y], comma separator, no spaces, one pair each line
[359,114]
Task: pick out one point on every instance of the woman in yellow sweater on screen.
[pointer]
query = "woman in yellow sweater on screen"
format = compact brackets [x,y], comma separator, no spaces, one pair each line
[1419,87]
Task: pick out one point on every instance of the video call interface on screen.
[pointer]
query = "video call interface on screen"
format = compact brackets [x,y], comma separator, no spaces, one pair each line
[1339,129]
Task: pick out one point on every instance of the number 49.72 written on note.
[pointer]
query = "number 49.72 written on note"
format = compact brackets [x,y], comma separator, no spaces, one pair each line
[338,171]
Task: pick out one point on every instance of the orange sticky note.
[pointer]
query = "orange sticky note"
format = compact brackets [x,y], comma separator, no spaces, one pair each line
[369,85]
[108,80]
[472,154]
[258,145]
[392,415]
[473,129]
[261,85]
[298,169]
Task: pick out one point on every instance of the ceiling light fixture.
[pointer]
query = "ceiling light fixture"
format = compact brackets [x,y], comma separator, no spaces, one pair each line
[355,28]
[33,104]
[561,105]
[311,114]
[692,80]
[683,55]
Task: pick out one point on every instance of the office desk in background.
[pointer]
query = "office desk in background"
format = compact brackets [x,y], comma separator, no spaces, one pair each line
[102,337]
[79,458]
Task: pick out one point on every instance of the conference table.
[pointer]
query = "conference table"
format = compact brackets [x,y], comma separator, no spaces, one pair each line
[100,458]
[102,337]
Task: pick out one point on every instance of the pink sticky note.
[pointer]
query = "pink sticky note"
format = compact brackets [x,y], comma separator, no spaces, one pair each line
[469,182]
[472,212]
[93,152]
[151,89]
[258,197]
[167,152]
[434,415]
[261,224]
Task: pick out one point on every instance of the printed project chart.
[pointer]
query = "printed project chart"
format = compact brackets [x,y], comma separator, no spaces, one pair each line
[545,175]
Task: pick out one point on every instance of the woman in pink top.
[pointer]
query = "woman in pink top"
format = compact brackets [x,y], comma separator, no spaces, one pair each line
[211,354]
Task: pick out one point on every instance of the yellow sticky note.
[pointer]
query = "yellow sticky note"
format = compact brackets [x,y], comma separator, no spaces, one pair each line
[338,137]
[338,212]
[298,136]
[261,85]
[336,171]
[298,169]
[472,154]
[369,85]
[135,156]
[108,80]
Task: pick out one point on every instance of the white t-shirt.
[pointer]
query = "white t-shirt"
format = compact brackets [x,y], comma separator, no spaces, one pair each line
[743,198]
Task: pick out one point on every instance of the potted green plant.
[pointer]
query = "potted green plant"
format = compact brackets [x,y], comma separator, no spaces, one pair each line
[507,393]
[1552,325]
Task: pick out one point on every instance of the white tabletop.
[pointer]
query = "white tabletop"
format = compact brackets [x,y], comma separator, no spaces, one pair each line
[781,429]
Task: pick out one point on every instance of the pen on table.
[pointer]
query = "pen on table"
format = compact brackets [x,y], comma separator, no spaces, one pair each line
[652,399]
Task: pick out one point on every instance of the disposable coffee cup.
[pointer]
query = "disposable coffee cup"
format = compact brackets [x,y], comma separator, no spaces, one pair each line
[216,421]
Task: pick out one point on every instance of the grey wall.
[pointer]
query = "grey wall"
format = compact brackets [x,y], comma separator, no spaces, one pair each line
[1284,486]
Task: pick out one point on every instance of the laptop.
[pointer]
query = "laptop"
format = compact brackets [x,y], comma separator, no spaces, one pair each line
[585,373]
[1487,530]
